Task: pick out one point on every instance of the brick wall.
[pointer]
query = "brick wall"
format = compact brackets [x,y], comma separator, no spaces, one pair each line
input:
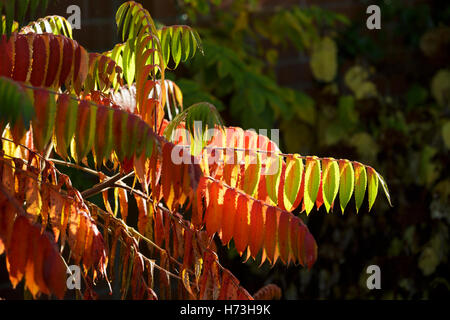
[98,27]
[99,32]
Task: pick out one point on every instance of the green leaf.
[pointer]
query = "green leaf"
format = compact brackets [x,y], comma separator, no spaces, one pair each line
[43,123]
[197,41]
[312,182]
[85,133]
[176,46]
[293,180]
[34,4]
[202,112]
[186,39]
[273,175]
[252,173]
[21,10]
[15,104]
[360,184]
[330,181]
[385,187]
[346,183]
[129,61]
[9,12]
[166,36]
[373,185]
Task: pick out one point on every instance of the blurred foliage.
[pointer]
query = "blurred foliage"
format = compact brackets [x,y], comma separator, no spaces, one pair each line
[380,97]
[242,48]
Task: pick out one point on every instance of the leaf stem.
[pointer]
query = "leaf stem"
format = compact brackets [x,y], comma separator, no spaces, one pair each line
[105,184]
[74,165]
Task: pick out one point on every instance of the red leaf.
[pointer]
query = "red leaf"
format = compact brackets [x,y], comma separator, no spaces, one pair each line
[40,55]
[7,55]
[226,283]
[284,236]
[242,224]
[270,237]
[213,216]
[67,59]
[311,249]
[202,202]
[22,61]
[17,253]
[257,222]
[229,211]
[54,60]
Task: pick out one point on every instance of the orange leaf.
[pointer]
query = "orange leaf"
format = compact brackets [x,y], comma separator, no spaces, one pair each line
[33,271]
[257,222]
[241,224]
[7,214]
[271,230]
[158,229]
[56,204]
[226,280]
[170,176]
[213,216]
[229,211]
[18,250]
[202,202]
[284,236]
[123,200]
[54,270]
[143,218]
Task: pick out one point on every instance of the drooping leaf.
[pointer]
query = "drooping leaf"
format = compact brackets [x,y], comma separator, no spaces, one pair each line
[292,182]
[252,173]
[360,183]
[312,182]
[346,183]
[385,188]
[257,222]
[272,176]
[372,182]
[330,181]
[242,224]
[15,105]
[271,234]
[268,292]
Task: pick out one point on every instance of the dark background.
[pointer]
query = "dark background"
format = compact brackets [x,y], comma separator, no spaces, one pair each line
[402,130]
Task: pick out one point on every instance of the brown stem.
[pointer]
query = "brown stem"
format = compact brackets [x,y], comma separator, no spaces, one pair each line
[104,185]
[48,150]
[74,165]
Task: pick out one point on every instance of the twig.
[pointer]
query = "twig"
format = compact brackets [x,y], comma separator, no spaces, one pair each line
[48,150]
[100,187]
[131,231]
[136,233]
[74,165]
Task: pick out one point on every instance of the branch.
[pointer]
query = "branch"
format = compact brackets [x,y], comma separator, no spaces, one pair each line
[105,185]
[74,165]
[131,232]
